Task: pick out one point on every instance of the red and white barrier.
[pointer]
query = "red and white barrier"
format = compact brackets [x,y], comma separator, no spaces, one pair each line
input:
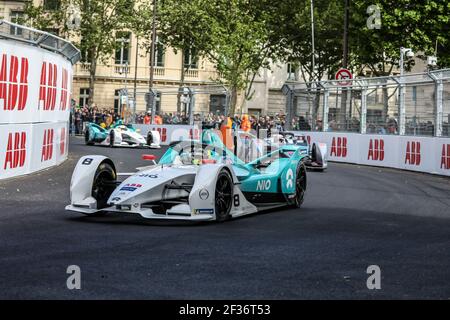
[35,93]
[423,154]
[170,132]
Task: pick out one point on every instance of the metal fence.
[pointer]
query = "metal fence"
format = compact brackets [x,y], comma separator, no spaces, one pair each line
[412,104]
[13,31]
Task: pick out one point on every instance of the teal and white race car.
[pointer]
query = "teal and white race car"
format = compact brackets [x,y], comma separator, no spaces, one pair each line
[194,180]
[120,135]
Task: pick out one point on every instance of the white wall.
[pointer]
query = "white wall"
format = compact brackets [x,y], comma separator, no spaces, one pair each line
[35,92]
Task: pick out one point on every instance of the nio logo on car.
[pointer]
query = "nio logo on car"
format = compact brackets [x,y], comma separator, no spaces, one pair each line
[376,150]
[115,199]
[445,159]
[146,175]
[13,89]
[16,150]
[339,147]
[290,178]
[203,194]
[413,153]
[263,185]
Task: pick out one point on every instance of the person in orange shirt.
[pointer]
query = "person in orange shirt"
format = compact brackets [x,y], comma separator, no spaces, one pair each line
[158,119]
[245,124]
[227,133]
[147,118]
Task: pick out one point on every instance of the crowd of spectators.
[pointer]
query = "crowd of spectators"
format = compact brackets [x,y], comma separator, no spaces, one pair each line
[107,116]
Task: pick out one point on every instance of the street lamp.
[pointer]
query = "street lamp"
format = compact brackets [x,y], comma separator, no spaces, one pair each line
[409,54]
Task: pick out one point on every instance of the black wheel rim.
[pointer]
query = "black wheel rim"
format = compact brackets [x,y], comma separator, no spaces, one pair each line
[111,139]
[103,187]
[86,136]
[223,195]
[300,186]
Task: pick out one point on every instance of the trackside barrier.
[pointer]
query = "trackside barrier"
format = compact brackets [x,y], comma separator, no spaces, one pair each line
[422,154]
[171,132]
[35,95]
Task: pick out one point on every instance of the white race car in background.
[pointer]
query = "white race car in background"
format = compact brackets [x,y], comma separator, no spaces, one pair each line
[120,135]
[249,147]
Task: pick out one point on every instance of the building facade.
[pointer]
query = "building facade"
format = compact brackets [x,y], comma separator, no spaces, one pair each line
[129,66]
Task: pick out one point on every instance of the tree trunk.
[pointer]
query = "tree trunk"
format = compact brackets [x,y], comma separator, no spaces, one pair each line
[233,101]
[183,71]
[92,73]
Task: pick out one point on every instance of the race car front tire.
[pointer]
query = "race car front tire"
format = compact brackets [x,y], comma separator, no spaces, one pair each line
[223,196]
[111,138]
[149,138]
[104,184]
[87,138]
[300,186]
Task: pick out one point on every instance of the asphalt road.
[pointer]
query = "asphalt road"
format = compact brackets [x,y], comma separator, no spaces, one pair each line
[352,217]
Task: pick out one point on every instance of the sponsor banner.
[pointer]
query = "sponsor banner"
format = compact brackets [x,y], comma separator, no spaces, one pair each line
[171,133]
[26,148]
[35,84]
[15,146]
[422,154]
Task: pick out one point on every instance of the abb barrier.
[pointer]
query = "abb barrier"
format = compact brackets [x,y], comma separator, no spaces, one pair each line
[35,94]
[423,154]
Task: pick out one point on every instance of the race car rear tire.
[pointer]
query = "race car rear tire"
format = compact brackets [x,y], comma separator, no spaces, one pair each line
[300,186]
[111,138]
[149,138]
[87,138]
[104,184]
[223,196]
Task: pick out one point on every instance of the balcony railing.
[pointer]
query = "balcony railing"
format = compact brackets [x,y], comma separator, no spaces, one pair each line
[45,40]
[191,73]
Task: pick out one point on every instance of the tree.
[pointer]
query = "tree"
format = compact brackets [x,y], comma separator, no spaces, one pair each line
[404,23]
[235,35]
[294,28]
[95,36]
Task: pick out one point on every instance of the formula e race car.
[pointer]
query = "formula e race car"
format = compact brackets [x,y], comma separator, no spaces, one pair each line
[194,180]
[120,135]
[250,147]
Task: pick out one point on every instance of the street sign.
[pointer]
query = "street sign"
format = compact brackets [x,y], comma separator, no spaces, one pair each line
[342,75]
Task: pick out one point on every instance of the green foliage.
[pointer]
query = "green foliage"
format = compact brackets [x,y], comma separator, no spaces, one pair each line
[235,35]
[407,23]
[96,34]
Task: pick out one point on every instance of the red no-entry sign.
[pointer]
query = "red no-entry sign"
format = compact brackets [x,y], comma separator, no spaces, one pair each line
[342,75]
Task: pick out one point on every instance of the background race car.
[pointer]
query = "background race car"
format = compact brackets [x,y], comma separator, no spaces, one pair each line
[120,135]
[249,147]
[194,180]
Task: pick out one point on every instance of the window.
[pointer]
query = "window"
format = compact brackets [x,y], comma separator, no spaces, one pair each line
[160,54]
[84,97]
[52,5]
[15,17]
[291,71]
[122,55]
[190,59]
